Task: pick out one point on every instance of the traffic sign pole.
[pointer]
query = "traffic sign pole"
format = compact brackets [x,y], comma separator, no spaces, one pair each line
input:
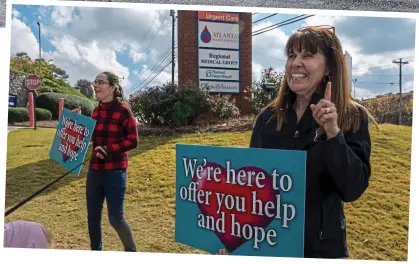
[33,82]
[34,109]
[31,109]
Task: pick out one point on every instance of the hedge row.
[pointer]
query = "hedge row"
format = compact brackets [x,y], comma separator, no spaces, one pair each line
[50,101]
[21,114]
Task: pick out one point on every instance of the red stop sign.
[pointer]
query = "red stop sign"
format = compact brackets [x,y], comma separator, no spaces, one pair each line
[32,82]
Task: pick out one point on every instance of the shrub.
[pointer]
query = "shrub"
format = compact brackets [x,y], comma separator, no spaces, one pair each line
[181,113]
[45,89]
[58,86]
[152,106]
[224,106]
[42,114]
[385,108]
[18,114]
[193,102]
[169,105]
[50,102]
[21,114]
[260,97]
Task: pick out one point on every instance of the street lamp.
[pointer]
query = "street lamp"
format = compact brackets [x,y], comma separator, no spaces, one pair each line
[39,31]
[269,87]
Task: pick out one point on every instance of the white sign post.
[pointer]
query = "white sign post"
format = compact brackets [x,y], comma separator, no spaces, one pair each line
[348,58]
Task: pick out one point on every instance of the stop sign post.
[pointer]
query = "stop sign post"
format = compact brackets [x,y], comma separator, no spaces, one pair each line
[33,82]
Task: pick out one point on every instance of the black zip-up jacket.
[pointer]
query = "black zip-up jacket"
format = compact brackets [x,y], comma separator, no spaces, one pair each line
[338,171]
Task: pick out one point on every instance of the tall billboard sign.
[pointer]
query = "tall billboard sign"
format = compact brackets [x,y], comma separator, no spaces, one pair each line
[219,52]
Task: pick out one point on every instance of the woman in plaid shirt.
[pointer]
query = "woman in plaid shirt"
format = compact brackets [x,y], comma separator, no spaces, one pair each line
[115,134]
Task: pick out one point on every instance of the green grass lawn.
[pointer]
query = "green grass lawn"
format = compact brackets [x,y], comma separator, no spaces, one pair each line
[377,223]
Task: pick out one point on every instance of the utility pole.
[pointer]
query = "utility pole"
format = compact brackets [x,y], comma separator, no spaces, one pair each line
[401,63]
[354,80]
[172,14]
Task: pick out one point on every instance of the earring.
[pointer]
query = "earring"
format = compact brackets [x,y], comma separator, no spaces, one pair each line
[326,79]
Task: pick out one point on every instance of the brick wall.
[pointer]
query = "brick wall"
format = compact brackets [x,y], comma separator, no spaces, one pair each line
[187,46]
[245,64]
[187,54]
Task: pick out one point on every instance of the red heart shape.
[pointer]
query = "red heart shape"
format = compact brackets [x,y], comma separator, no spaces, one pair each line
[265,195]
[68,131]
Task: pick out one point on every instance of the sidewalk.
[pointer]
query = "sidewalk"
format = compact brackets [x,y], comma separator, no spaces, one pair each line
[11,128]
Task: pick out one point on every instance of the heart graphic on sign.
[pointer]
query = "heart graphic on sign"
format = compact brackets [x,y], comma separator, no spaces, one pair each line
[66,141]
[265,195]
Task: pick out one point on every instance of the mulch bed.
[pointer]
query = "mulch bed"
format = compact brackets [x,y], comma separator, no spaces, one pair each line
[214,126]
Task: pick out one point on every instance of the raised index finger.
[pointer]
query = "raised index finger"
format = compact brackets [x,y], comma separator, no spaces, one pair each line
[328,92]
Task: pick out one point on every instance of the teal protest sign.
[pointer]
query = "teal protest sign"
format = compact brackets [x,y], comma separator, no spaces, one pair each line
[71,140]
[248,201]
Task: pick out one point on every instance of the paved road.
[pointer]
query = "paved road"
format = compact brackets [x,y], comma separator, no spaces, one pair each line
[369,5]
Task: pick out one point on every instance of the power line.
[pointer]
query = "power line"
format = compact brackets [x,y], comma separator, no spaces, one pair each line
[372,65]
[155,34]
[146,34]
[392,83]
[256,31]
[154,68]
[156,65]
[162,24]
[157,73]
[152,74]
[280,24]
[264,18]
[269,56]
[381,75]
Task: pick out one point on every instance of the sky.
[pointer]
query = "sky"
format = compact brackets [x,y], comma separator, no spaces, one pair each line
[130,42]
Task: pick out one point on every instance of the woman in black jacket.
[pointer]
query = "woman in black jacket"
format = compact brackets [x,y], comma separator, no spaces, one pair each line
[314,112]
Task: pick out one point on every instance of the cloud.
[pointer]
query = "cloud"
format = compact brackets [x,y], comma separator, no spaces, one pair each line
[273,42]
[268,50]
[62,15]
[163,77]
[373,44]
[364,93]
[85,41]
[15,13]
[85,61]
[22,39]
[256,71]
[379,34]
[408,86]
[325,20]
[120,27]
[97,40]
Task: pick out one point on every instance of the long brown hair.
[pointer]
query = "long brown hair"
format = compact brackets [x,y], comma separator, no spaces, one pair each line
[323,40]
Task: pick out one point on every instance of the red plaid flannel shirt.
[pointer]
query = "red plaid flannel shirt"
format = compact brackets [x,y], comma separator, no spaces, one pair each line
[116,129]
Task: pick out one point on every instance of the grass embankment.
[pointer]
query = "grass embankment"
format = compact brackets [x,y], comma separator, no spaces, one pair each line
[377,223]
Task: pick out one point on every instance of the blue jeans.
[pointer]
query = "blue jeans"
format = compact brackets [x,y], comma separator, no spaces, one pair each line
[110,185]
